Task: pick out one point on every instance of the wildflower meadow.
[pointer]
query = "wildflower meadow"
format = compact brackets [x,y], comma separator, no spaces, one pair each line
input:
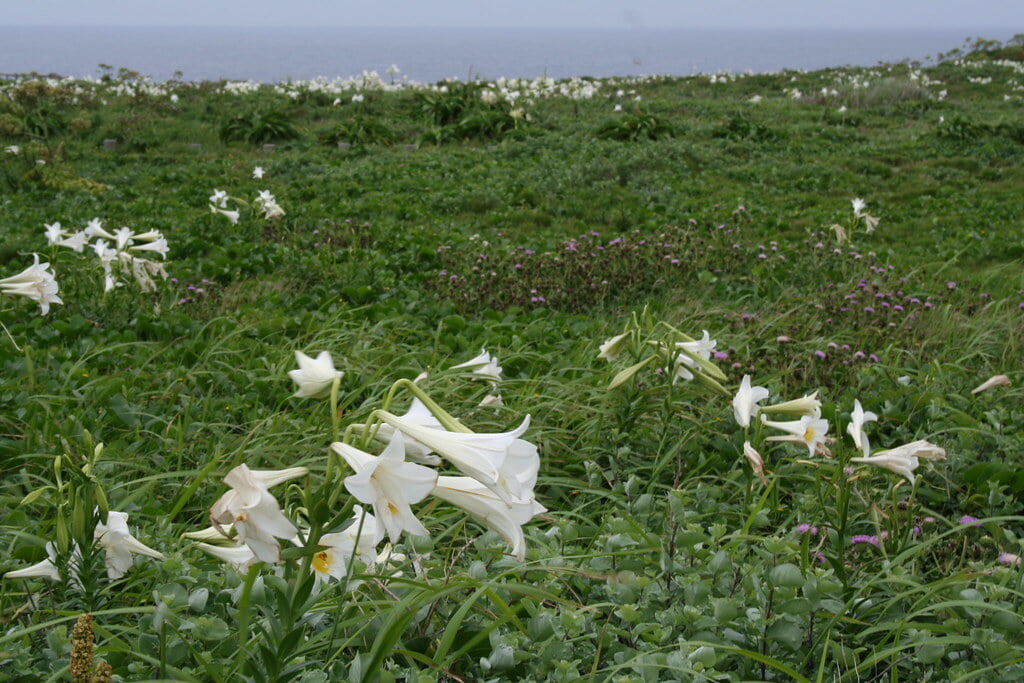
[711,378]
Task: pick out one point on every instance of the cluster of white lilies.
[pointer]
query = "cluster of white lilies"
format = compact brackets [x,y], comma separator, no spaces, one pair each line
[497,475]
[119,252]
[682,357]
[38,282]
[264,202]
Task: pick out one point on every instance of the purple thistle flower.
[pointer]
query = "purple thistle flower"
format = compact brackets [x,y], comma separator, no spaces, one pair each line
[969,520]
[821,354]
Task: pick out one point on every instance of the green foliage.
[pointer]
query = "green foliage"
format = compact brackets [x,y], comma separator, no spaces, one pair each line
[359,130]
[662,555]
[635,126]
[259,125]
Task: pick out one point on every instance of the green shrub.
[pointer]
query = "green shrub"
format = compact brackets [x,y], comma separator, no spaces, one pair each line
[259,125]
[635,126]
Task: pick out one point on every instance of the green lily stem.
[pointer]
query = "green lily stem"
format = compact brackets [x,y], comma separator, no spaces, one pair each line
[11,337]
[244,612]
[335,425]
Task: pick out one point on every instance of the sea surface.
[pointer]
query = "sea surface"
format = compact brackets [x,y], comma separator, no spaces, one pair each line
[430,54]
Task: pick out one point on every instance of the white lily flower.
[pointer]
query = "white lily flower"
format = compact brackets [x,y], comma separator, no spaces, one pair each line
[744,403]
[856,427]
[54,233]
[414,450]
[858,207]
[119,544]
[755,460]
[807,405]
[333,561]
[230,215]
[213,534]
[611,348]
[238,556]
[389,484]
[900,462]
[76,241]
[257,173]
[45,569]
[480,502]
[994,381]
[94,228]
[123,236]
[870,222]
[484,364]
[492,400]
[685,363]
[809,430]
[36,283]
[922,449]
[159,246]
[314,377]
[219,198]
[502,462]
[254,512]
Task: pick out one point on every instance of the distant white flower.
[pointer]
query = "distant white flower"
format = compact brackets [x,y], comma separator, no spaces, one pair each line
[685,362]
[36,283]
[358,97]
[219,198]
[13,149]
[393,69]
[492,400]
[54,233]
[159,246]
[257,173]
[483,364]
[744,403]
[611,348]
[756,99]
[507,519]
[119,544]
[617,107]
[253,511]
[123,236]
[856,427]
[389,484]
[94,228]
[315,377]
[230,215]
[858,207]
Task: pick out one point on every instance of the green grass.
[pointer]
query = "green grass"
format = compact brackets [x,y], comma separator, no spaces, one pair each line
[450,224]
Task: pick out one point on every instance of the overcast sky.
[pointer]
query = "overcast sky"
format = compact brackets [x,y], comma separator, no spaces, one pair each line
[966,14]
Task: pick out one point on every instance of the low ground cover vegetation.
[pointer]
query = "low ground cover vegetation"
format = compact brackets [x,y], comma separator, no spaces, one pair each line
[705,378]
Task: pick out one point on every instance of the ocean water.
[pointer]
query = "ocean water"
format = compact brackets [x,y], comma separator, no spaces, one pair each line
[430,54]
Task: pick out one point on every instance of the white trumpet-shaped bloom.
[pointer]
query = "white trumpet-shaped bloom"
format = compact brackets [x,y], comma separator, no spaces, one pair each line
[902,463]
[502,462]
[858,419]
[611,348]
[253,511]
[809,430]
[238,556]
[744,403]
[314,376]
[922,449]
[119,544]
[232,216]
[45,569]
[480,502]
[389,484]
[35,282]
[806,405]
[483,364]
[419,414]
[339,548]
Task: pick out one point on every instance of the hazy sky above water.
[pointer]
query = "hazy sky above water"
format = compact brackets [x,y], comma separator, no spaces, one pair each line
[923,14]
